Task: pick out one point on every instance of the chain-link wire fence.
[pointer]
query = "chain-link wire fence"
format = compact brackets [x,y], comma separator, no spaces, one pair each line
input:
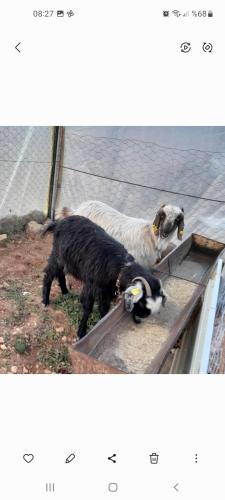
[25,168]
[124,168]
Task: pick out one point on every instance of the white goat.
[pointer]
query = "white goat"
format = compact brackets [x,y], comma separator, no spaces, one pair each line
[144,240]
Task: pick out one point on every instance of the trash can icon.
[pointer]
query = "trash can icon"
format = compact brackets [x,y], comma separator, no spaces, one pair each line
[154,458]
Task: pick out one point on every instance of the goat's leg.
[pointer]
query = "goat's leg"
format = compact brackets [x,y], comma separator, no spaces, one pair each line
[103,304]
[47,283]
[62,281]
[87,301]
[51,272]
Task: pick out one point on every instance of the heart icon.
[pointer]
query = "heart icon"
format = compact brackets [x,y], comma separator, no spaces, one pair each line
[28,457]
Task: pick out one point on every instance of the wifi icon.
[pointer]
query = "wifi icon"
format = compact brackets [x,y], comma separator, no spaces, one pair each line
[176,13]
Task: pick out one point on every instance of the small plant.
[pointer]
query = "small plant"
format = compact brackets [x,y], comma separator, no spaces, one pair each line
[20,345]
[15,294]
[57,359]
[71,305]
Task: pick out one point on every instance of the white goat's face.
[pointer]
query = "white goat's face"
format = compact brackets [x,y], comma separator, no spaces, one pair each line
[168,219]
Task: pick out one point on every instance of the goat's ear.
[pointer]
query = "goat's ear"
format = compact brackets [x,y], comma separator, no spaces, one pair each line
[132,295]
[180,228]
[156,222]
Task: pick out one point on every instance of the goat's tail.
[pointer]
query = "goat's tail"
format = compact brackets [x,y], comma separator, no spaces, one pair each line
[62,213]
[49,228]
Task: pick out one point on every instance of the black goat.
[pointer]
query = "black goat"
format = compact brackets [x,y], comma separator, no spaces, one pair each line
[85,250]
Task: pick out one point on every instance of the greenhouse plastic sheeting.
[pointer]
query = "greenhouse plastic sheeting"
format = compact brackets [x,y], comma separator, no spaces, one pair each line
[25,164]
[137,169]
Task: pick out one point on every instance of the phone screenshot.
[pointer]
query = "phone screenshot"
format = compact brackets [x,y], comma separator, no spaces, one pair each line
[112,250]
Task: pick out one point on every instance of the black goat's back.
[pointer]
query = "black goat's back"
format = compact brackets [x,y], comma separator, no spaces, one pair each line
[87,251]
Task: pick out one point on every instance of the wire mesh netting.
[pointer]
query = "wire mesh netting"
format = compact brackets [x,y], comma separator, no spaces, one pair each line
[134,169]
[217,353]
[25,163]
[125,168]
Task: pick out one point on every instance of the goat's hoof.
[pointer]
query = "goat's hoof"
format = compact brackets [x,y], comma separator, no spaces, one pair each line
[45,303]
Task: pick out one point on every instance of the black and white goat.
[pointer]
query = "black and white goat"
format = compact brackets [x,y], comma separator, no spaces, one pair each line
[84,250]
[144,240]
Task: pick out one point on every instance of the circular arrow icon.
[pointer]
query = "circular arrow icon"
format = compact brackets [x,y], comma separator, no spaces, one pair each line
[185,47]
[207,47]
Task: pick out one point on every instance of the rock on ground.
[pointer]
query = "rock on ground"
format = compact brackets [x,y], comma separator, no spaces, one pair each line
[14,369]
[33,228]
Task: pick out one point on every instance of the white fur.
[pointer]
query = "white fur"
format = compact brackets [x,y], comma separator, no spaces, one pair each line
[154,305]
[135,234]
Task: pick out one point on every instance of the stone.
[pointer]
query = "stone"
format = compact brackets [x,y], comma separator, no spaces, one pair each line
[3,237]
[60,329]
[33,229]
[14,369]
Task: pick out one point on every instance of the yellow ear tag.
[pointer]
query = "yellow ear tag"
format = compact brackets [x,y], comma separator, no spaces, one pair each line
[181,232]
[154,227]
[135,291]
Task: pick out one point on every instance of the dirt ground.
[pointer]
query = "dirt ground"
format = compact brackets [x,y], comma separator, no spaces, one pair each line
[33,338]
[36,339]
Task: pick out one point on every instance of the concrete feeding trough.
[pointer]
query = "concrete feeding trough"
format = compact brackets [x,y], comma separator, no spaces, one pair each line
[118,343]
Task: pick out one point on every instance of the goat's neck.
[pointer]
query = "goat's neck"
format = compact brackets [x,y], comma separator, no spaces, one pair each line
[128,272]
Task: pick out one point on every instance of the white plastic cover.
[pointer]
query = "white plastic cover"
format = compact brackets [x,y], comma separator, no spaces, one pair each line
[25,164]
[105,163]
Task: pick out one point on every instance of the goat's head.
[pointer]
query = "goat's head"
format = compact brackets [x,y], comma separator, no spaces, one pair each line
[168,219]
[144,296]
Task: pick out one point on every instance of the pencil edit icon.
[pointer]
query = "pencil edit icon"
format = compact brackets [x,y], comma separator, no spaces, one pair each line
[70,458]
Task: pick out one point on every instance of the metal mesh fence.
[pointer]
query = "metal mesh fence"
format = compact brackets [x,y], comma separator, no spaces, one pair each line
[136,176]
[25,164]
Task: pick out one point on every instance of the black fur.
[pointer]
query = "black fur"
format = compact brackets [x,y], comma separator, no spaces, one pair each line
[85,250]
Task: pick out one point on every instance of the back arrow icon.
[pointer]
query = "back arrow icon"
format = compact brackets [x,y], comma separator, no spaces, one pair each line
[16,47]
[176,486]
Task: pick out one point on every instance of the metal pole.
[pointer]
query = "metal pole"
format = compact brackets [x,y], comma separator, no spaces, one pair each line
[56,163]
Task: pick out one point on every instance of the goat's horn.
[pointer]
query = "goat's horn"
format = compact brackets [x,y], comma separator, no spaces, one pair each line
[145,283]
